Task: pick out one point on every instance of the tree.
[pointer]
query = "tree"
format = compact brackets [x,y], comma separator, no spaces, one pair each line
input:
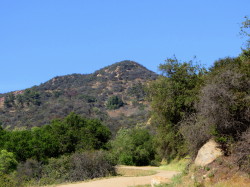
[173,96]
[9,100]
[225,103]
[245,30]
[133,147]
[20,100]
[8,162]
[114,102]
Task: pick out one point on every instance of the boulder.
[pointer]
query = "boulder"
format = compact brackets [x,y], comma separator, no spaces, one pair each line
[158,180]
[208,153]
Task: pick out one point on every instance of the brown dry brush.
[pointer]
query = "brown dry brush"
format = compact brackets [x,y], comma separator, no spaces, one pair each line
[76,167]
[89,165]
[225,103]
[241,152]
[223,112]
[195,132]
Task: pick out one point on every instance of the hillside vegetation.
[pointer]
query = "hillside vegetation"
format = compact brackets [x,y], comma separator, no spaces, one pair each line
[89,95]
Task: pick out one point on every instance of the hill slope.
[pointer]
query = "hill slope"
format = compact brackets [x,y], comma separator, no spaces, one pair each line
[85,94]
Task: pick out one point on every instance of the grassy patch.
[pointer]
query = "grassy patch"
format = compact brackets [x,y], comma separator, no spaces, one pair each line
[176,165]
[127,172]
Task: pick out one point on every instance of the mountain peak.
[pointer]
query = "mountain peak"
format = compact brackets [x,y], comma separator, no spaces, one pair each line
[125,70]
[125,64]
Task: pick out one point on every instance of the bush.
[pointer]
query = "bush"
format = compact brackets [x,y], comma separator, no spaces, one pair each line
[241,152]
[56,171]
[8,162]
[9,181]
[225,105]
[89,165]
[223,108]
[31,169]
[77,167]
[114,102]
[133,147]
[195,132]
[58,138]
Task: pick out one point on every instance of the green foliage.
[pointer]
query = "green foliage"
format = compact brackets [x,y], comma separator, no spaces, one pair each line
[224,63]
[133,147]
[173,96]
[8,162]
[31,97]
[9,181]
[56,171]
[138,91]
[9,100]
[58,138]
[114,102]
[176,165]
[245,30]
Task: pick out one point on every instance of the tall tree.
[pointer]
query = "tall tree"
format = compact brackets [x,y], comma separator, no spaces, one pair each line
[173,96]
[245,30]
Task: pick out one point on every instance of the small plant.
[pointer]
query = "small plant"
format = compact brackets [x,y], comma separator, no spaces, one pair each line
[114,102]
[211,174]
[207,168]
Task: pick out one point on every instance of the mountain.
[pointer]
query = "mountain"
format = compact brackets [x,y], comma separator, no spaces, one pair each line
[114,94]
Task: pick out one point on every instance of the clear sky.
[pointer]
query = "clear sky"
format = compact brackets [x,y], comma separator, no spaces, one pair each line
[40,39]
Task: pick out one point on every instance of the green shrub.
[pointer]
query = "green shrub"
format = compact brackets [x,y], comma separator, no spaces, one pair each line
[8,162]
[133,147]
[9,181]
[55,139]
[173,96]
[56,171]
[114,102]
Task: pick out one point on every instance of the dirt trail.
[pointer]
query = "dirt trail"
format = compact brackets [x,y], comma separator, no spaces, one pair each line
[124,181]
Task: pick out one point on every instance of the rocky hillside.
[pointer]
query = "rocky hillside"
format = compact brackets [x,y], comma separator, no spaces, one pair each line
[114,94]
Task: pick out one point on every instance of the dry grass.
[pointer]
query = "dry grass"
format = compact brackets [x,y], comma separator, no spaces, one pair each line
[235,181]
[127,172]
[221,173]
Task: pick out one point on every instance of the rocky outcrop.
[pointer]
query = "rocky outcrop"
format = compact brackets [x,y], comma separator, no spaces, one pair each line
[208,153]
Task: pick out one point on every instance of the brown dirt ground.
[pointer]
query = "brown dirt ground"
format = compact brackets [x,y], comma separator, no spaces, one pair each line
[124,181]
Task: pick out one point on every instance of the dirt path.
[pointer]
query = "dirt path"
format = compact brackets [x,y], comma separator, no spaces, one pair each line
[124,181]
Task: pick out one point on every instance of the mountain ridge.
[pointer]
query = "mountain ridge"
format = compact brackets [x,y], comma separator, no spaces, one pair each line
[85,94]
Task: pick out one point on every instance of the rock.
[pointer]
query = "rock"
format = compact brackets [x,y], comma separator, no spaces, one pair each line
[157,180]
[208,153]
[192,177]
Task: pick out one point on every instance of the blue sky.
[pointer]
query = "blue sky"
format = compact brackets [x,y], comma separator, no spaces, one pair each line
[40,39]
